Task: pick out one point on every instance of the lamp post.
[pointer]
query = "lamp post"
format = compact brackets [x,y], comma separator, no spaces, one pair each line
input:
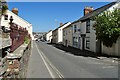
[11,20]
[11,32]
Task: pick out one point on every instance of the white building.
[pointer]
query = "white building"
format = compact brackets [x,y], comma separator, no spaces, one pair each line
[84,36]
[5,40]
[60,32]
[81,36]
[49,36]
[17,20]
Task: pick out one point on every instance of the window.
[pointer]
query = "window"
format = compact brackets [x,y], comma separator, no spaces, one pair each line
[64,33]
[88,42]
[75,41]
[88,26]
[75,28]
[6,17]
[78,30]
[69,31]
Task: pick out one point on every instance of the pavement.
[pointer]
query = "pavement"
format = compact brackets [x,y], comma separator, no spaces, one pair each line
[50,61]
[18,53]
[78,52]
[36,66]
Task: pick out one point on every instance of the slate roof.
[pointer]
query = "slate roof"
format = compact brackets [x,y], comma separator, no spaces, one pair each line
[97,11]
[60,26]
[63,24]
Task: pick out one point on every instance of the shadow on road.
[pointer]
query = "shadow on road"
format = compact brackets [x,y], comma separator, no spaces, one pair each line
[78,52]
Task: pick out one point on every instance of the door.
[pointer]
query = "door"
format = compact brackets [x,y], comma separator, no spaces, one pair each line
[83,43]
[98,46]
[79,43]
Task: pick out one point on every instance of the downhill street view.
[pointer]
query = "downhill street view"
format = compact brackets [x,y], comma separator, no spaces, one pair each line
[60,40]
[57,63]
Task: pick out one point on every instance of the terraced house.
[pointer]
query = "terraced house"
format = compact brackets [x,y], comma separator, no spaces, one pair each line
[49,36]
[18,20]
[67,36]
[58,33]
[55,36]
[83,35]
[14,31]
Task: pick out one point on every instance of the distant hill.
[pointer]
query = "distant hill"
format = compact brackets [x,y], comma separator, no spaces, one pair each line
[39,34]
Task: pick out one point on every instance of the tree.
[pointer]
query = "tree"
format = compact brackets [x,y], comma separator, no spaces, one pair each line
[3,6]
[107,27]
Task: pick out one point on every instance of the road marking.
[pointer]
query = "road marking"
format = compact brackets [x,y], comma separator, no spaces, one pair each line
[45,62]
[44,58]
[53,67]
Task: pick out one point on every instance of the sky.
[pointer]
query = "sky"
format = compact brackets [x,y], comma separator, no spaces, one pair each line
[45,16]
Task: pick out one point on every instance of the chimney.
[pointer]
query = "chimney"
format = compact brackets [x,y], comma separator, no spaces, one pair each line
[61,24]
[15,11]
[87,10]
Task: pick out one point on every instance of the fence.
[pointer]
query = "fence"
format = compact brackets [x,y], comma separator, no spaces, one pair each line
[17,35]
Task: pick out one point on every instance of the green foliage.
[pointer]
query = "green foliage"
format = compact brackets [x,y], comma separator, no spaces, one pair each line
[4,8]
[107,27]
[26,40]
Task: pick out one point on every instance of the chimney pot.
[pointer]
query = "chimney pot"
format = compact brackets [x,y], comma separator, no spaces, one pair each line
[15,11]
[61,24]
[87,10]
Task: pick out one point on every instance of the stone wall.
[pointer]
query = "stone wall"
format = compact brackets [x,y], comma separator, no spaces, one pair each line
[17,66]
[24,62]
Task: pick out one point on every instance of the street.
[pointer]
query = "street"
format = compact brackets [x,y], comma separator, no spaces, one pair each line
[47,61]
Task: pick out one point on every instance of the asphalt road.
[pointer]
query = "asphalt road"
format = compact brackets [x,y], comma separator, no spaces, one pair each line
[36,66]
[62,64]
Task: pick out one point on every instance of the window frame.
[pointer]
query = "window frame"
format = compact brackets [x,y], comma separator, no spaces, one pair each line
[75,41]
[75,28]
[5,17]
[88,26]
[88,42]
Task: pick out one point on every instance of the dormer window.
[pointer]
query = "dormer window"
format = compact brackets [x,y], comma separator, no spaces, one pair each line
[5,17]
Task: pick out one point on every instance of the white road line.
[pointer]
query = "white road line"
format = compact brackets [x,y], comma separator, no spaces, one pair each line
[47,66]
[45,62]
[53,67]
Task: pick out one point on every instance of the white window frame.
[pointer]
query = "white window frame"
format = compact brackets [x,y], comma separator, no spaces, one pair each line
[88,42]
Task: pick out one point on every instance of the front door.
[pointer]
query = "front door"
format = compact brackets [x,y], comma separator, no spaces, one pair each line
[83,43]
[98,46]
[79,43]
